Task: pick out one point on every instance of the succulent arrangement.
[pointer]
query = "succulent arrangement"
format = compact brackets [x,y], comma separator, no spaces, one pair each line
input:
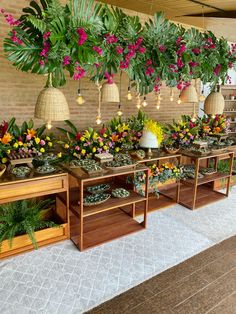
[120,160]
[81,162]
[92,168]
[208,171]
[95,199]
[99,188]
[21,171]
[120,193]
[139,153]
[46,168]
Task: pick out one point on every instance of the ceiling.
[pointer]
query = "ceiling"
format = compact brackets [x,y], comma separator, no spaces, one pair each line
[219,15]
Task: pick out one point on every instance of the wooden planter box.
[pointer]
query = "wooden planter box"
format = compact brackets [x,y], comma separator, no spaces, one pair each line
[221,184]
[43,237]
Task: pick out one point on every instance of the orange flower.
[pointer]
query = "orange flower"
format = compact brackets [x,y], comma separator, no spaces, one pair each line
[217,129]
[114,138]
[31,132]
[6,138]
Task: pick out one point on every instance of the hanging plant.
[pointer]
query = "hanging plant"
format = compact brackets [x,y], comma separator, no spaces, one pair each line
[90,39]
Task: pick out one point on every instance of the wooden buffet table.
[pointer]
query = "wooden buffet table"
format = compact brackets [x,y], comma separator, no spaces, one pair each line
[35,186]
[198,192]
[165,199]
[97,224]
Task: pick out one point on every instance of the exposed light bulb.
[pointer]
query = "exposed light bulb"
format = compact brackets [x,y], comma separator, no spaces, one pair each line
[49,125]
[171,95]
[159,97]
[119,113]
[98,120]
[144,103]
[202,98]
[80,99]
[193,119]
[213,116]
[138,106]
[158,107]
[129,95]
[179,101]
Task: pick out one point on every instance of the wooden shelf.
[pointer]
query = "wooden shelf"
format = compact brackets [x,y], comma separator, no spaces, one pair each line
[208,178]
[108,205]
[226,111]
[104,227]
[205,196]
[230,100]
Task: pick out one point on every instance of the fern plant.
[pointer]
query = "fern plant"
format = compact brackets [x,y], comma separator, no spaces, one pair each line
[23,217]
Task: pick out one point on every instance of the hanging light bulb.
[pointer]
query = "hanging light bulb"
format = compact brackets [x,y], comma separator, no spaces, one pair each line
[158,105]
[213,116]
[119,113]
[144,103]
[202,97]
[138,101]
[171,94]
[98,120]
[193,119]
[80,99]
[129,94]
[179,101]
[49,125]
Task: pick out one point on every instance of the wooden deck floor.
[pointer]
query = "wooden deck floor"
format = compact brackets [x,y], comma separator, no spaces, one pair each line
[205,283]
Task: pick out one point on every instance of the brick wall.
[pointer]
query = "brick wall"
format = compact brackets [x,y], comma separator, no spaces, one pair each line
[18,90]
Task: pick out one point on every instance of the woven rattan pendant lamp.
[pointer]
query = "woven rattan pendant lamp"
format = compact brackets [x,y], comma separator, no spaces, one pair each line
[51,104]
[189,95]
[214,103]
[110,92]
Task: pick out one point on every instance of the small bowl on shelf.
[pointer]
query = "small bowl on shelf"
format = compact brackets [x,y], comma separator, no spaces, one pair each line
[120,193]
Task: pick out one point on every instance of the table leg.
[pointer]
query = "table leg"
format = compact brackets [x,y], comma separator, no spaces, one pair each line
[195,183]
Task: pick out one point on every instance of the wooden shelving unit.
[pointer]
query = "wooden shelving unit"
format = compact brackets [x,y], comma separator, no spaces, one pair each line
[198,192]
[93,225]
[230,105]
[53,185]
[165,199]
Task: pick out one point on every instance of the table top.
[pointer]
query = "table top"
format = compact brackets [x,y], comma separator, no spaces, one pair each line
[8,178]
[80,174]
[211,155]
[159,156]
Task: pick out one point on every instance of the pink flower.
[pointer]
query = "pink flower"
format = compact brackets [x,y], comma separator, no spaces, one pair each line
[124,64]
[142,49]
[110,39]
[132,47]
[139,41]
[28,137]
[180,85]
[46,35]
[181,50]
[2,11]
[193,64]
[98,50]
[119,50]
[148,62]
[130,55]
[162,48]
[217,69]
[77,148]
[179,40]
[156,88]
[180,63]
[196,51]
[149,71]
[109,77]
[42,143]
[10,19]
[230,65]
[44,52]
[80,73]
[41,62]
[66,60]
[82,36]
[97,65]
[15,39]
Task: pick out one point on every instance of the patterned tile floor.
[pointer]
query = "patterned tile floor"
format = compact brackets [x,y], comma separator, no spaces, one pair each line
[60,279]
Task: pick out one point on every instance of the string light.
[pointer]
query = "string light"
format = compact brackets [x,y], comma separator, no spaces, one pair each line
[171,94]
[179,101]
[144,103]
[99,116]
[129,94]
[80,99]
[49,125]
[213,116]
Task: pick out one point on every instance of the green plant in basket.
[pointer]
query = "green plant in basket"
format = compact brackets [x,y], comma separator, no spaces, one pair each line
[24,217]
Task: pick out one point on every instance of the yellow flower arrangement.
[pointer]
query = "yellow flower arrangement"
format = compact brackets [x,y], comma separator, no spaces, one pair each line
[6,138]
[155,128]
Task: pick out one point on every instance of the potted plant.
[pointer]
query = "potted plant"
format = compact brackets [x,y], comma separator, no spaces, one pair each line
[25,225]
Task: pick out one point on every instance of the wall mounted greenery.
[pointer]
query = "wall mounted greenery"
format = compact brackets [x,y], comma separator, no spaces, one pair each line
[98,41]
